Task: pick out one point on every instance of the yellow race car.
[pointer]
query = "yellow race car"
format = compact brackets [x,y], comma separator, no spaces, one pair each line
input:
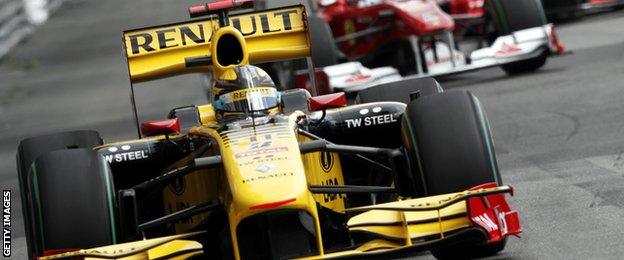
[263,174]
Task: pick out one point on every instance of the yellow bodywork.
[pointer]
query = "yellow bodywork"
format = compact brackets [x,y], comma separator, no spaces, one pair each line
[248,188]
[324,168]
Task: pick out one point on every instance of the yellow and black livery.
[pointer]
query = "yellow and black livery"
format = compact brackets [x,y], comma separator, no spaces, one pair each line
[322,181]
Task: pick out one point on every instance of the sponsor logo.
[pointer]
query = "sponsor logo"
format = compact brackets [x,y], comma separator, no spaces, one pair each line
[268,176]
[507,50]
[331,197]
[486,222]
[266,168]
[177,185]
[502,221]
[371,120]
[200,32]
[327,161]
[357,78]
[261,151]
[111,252]
[6,223]
[256,145]
[127,156]
[450,198]
[431,18]
[246,94]
[263,159]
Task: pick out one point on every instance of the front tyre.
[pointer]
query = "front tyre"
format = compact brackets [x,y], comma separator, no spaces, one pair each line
[449,148]
[30,149]
[525,66]
[72,200]
[449,144]
[509,16]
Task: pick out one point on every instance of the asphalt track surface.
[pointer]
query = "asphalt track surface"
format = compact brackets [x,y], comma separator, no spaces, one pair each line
[559,133]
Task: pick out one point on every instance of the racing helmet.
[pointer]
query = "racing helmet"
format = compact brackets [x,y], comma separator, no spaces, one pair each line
[245,90]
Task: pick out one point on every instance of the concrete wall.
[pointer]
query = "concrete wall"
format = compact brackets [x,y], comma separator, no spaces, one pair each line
[18,18]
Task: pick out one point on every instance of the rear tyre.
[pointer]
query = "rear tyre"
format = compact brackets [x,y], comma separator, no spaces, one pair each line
[561,10]
[31,148]
[449,148]
[323,53]
[324,50]
[72,201]
[509,16]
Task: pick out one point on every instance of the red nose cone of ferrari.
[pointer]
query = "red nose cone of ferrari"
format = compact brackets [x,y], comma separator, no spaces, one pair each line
[423,17]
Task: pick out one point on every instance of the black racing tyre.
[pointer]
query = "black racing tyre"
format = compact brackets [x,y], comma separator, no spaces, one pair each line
[513,15]
[525,66]
[31,148]
[509,16]
[449,143]
[562,9]
[396,54]
[399,91]
[323,48]
[449,148]
[72,201]
[323,53]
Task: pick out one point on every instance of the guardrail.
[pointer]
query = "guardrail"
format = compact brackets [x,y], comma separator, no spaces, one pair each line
[18,18]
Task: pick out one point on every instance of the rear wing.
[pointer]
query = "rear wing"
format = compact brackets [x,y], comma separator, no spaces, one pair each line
[181,48]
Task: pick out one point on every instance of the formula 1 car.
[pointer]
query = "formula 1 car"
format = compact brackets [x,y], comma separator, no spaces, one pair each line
[393,34]
[262,174]
[417,36]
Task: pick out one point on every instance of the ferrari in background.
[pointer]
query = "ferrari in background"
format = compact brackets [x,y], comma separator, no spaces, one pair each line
[426,38]
[263,174]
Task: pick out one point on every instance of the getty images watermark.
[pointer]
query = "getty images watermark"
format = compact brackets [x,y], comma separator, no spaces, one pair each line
[6,223]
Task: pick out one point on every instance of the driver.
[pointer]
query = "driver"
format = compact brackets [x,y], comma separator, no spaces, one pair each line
[245,91]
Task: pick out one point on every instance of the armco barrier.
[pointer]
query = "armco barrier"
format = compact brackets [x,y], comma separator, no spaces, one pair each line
[18,18]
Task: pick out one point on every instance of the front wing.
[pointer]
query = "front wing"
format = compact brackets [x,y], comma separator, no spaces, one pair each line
[171,247]
[521,45]
[479,215]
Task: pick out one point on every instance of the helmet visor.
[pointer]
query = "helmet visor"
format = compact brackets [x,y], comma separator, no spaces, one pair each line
[249,100]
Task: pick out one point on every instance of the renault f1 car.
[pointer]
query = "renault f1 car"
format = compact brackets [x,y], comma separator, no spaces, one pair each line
[262,174]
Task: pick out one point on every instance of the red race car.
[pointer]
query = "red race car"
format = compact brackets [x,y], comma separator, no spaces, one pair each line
[420,36]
